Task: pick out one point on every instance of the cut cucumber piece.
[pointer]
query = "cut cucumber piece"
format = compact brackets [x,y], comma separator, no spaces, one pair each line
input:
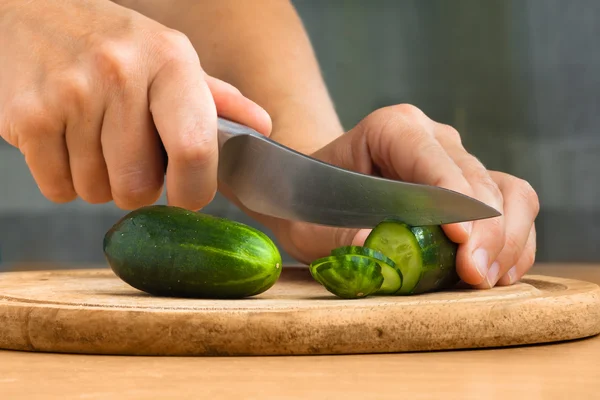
[363,251]
[349,276]
[392,276]
[424,255]
[396,240]
[317,263]
[439,259]
[392,280]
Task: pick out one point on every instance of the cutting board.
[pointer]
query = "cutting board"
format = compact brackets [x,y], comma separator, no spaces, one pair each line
[92,311]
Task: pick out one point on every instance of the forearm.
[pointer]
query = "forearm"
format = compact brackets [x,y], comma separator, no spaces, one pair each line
[261,48]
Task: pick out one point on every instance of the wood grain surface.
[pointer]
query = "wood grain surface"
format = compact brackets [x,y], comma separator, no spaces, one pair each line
[92,311]
[550,371]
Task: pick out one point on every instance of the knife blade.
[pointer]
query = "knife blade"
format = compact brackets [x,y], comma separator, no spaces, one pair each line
[272,179]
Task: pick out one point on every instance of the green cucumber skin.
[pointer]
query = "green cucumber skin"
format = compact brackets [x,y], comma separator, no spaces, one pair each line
[387,264]
[384,238]
[349,276]
[364,251]
[439,259]
[170,251]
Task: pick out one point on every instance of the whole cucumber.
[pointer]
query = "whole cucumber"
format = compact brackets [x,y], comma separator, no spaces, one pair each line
[171,251]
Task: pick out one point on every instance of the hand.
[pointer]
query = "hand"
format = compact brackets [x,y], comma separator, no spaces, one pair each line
[89,89]
[401,142]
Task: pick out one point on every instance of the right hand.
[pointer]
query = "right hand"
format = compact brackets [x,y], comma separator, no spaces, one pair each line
[90,89]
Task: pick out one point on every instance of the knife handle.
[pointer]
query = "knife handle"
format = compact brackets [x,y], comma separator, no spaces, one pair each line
[226,129]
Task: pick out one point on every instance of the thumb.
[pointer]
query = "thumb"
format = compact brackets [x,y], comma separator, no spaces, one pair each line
[233,105]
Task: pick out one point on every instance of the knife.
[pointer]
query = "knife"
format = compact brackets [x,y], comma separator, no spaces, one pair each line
[272,179]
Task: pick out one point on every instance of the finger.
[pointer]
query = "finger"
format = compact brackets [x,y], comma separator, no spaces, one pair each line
[184,113]
[83,139]
[317,241]
[524,264]
[9,135]
[45,150]
[402,143]
[521,209]
[477,258]
[131,149]
[231,104]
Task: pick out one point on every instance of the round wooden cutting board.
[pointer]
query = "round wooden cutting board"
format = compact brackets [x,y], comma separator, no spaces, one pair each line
[92,311]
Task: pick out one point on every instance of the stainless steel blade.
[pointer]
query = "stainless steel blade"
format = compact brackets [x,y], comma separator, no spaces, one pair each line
[275,180]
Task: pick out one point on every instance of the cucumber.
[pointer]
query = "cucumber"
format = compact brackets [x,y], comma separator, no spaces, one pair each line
[349,276]
[438,254]
[392,276]
[171,251]
[424,254]
[363,251]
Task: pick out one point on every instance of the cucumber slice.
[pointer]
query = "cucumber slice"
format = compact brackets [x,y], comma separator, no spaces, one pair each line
[424,255]
[392,280]
[396,240]
[349,276]
[392,276]
[363,251]
[317,263]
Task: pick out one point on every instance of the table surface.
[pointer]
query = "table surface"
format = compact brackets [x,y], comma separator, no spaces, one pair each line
[552,371]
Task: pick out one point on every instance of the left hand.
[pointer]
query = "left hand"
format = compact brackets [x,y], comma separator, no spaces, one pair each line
[401,142]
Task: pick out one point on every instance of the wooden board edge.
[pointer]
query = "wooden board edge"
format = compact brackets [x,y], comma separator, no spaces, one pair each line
[26,327]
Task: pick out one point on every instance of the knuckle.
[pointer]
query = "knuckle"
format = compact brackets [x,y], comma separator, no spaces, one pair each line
[530,248]
[34,128]
[529,195]
[405,113]
[422,169]
[197,154]
[495,229]
[385,124]
[473,167]
[528,258]
[134,188]
[451,133]
[512,246]
[488,183]
[30,122]
[73,88]
[479,175]
[113,61]
[175,46]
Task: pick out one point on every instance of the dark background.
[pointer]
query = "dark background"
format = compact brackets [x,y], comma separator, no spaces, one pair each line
[519,79]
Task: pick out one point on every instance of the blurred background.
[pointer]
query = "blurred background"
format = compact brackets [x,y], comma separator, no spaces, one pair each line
[519,79]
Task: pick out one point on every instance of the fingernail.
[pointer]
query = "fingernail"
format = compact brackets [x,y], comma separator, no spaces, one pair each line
[512,275]
[467,226]
[480,257]
[492,275]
